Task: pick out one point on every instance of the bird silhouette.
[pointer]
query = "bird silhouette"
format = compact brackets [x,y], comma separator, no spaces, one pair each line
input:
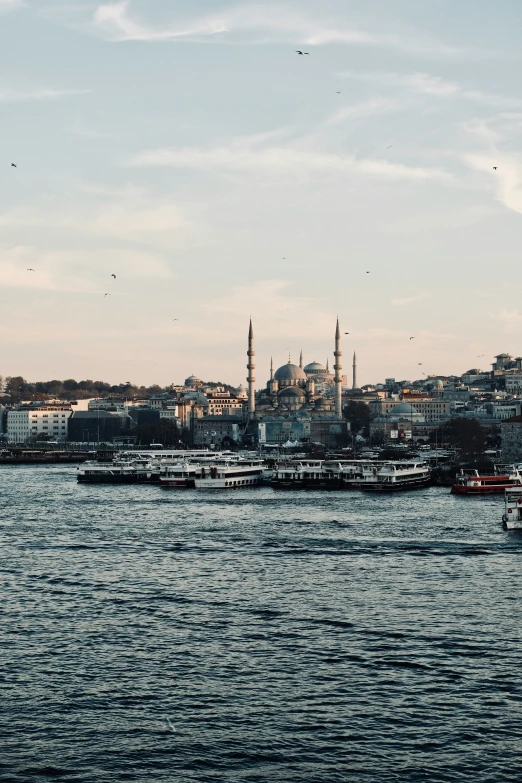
[114,276]
[169,725]
[412,338]
[30,270]
[14,165]
[175,319]
[480,356]
[347,332]
[106,294]
[420,364]
[300,52]
[495,168]
[338,92]
[367,273]
[389,148]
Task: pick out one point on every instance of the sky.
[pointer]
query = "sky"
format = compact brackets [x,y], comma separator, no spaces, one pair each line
[188,149]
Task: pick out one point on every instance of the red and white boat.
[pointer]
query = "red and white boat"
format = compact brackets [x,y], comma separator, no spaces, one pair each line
[471,482]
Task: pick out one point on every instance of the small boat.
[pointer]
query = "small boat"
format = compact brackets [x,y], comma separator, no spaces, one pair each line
[471,482]
[512,516]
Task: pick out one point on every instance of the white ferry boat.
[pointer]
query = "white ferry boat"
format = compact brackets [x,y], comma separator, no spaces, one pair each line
[179,475]
[231,475]
[512,516]
[395,476]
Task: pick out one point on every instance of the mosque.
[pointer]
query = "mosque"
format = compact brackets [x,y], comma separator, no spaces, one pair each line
[302,404]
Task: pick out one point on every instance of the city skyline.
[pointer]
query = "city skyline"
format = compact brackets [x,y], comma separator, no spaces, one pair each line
[219,175]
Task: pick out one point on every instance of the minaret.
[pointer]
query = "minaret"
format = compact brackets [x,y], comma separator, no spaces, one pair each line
[354,371]
[327,368]
[250,378]
[338,368]
[301,360]
[271,369]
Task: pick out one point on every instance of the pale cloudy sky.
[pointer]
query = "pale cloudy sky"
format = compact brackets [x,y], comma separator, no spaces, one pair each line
[184,146]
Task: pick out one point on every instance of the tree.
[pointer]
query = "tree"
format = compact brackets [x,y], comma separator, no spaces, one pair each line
[358,414]
[466,435]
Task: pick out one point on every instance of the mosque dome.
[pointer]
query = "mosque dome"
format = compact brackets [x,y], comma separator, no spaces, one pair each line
[438,384]
[292,391]
[289,372]
[315,368]
[192,380]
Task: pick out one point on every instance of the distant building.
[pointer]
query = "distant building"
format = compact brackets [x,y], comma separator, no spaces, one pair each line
[97,426]
[219,431]
[29,422]
[514,383]
[511,430]
[224,403]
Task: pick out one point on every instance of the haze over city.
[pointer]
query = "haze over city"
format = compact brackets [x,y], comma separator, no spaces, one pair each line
[194,154]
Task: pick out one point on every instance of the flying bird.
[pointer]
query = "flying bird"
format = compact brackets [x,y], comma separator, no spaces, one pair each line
[30,270]
[420,364]
[106,294]
[169,725]
[389,148]
[495,168]
[367,273]
[338,92]
[347,332]
[480,356]
[114,276]
[14,165]
[412,338]
[300,52]
[175,319]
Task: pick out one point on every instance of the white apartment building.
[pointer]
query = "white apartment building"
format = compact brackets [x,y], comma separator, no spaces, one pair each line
[39,419]
[223,404]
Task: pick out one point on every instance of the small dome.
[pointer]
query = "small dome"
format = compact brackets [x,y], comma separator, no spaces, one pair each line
[289,372]
[314,367]
[292,391]
[404,408]
[191,380]
[438,384]
[321,402]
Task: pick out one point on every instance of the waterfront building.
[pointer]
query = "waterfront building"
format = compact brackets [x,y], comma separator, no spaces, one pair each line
[29,422]
[220,432]
[97,426]
[430,409]
[224,403]
[511,434]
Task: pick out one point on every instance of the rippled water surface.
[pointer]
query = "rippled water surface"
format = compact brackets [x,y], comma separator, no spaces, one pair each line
[287,636]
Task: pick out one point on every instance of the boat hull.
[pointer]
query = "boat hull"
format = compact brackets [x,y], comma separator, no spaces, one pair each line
[107,479]
[458,489]
[395,486]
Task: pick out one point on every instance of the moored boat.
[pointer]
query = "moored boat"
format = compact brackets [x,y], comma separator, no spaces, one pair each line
[240,474]
[471,482]
[512,516]
[395,476]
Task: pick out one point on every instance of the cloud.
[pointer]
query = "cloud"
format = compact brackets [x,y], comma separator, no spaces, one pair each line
[409,299]
[284,160]
[426,84]
[255,23]
[129,215]
[10,5]
[79,271]
[370,108]
[14,95]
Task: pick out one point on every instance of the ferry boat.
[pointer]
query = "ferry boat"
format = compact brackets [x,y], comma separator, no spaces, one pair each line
[180,475]
[231,475]
[512,516]
[302,474]
[471,482]
[119,472]
[395,476]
